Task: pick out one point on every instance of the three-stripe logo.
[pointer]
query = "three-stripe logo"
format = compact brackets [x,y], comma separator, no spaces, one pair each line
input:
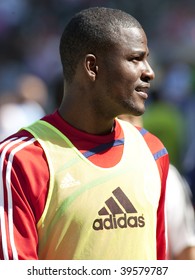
[118,213]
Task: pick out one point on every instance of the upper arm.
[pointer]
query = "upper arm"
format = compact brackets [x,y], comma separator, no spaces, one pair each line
[20,198]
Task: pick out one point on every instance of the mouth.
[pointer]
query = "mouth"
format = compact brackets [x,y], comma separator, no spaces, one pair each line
[142,91]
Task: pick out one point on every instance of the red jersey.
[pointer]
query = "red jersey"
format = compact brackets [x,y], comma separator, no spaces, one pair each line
[24,182]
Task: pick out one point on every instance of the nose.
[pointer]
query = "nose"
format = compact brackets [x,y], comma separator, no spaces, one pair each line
[147,73]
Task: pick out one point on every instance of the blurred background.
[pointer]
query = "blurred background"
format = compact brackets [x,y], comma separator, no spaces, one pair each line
[31,73]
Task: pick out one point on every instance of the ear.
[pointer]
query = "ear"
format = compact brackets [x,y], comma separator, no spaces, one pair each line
[91,66]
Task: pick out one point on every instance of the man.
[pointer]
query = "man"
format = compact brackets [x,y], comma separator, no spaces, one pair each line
[80,184]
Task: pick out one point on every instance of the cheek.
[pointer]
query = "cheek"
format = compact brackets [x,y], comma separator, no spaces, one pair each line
[128,73]
[131,72]
[123,77]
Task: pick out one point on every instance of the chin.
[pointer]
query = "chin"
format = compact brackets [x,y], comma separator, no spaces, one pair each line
[138,112]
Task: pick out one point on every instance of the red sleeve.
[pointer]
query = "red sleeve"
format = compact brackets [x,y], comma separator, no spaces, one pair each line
[162,160]
[161,233]
[23,190]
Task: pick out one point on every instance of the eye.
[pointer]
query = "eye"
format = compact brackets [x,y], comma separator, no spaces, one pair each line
[138,56]
[135,58]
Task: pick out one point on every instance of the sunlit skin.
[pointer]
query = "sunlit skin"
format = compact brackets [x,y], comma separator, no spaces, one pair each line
[105,86]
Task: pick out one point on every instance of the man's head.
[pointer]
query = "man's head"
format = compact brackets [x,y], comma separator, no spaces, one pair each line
[104,55]
[93,30]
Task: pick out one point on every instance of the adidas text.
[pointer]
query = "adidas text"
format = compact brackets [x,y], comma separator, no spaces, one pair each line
[113,222]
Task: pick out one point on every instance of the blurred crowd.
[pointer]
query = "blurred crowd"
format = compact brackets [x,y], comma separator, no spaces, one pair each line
[31,82]
[31,74]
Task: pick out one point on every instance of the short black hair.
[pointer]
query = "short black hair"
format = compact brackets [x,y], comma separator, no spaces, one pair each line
[92,30]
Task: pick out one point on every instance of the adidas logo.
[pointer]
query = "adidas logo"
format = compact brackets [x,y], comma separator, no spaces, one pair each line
[69,181]
[117,209]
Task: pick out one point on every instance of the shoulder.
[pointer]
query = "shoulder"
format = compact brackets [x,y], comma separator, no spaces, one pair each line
[22,141]
[158,150]
[154,143]
[17,143]
[21,153]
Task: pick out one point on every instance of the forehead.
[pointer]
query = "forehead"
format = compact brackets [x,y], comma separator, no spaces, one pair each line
[133,39]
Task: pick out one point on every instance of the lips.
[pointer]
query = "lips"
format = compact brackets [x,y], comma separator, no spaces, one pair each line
[142,91]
